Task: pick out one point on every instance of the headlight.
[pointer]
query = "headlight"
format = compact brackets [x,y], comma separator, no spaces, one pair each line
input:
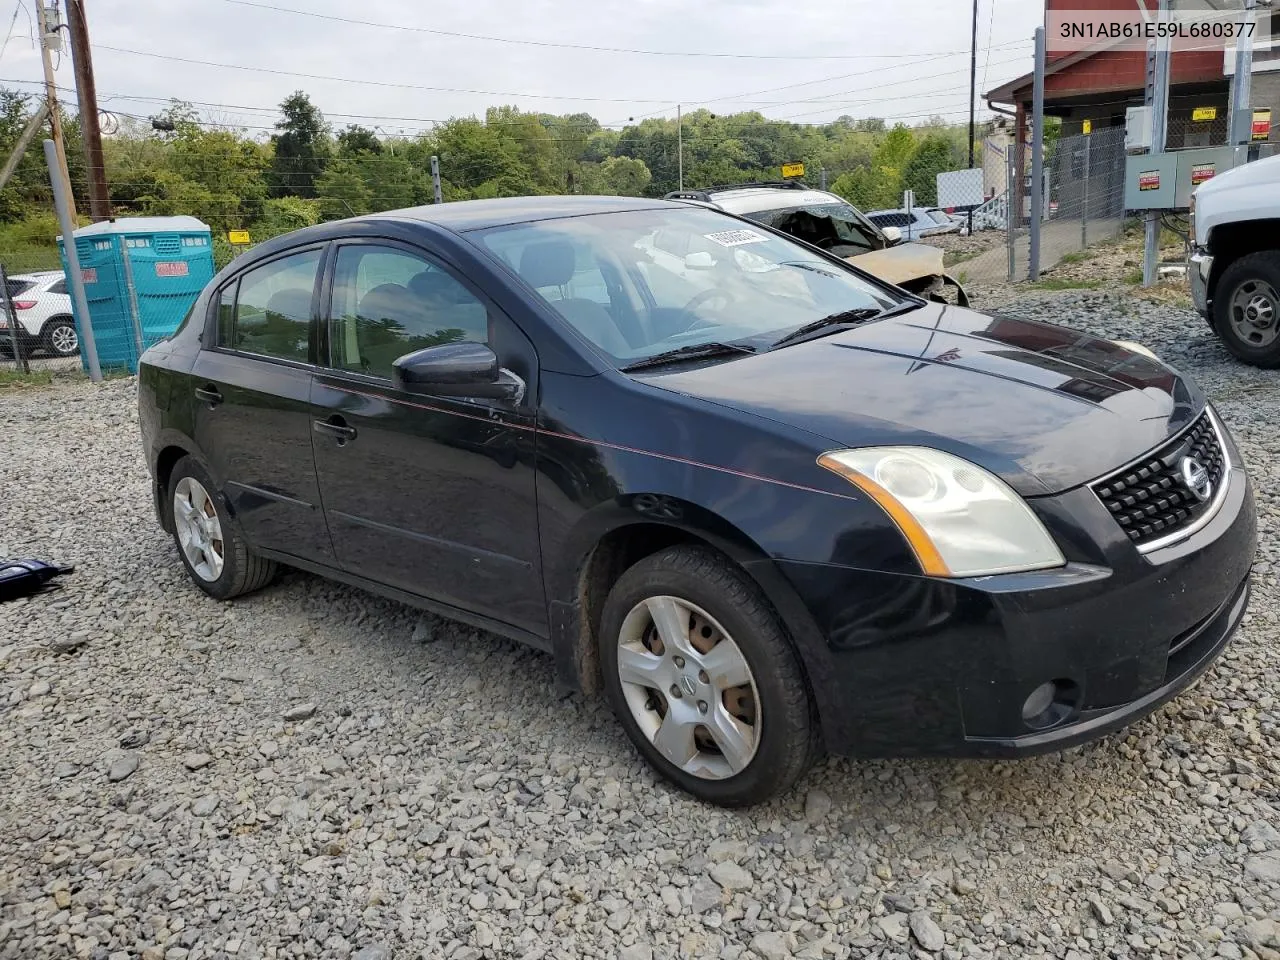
[960,520]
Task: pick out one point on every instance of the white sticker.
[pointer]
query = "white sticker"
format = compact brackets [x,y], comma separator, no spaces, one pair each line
[736,238]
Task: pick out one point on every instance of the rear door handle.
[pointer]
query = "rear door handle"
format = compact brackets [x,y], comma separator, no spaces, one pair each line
[335,427]
[209,395]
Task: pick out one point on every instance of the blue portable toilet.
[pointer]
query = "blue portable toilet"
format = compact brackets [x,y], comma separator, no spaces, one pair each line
[141,276]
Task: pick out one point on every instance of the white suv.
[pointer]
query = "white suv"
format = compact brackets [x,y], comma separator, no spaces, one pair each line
[43,309]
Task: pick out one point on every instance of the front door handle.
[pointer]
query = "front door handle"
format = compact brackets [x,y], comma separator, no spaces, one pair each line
[209,394]
[335,427]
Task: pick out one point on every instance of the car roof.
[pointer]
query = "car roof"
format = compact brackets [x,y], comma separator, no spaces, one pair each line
[463,215]
[37,276]
[755,199]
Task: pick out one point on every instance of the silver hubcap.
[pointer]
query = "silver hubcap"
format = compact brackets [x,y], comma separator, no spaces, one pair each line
[1254,313]
[64,339]
[689,687]
[199,531]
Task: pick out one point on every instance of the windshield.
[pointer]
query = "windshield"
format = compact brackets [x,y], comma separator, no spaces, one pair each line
[644,282]
[851,228]
[939,216]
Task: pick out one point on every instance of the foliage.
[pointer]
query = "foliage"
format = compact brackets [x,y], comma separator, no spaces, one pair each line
[304,172]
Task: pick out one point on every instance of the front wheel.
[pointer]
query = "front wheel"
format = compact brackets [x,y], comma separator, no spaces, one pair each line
[704,680]
[215,555]
[60,337]
[1246,308]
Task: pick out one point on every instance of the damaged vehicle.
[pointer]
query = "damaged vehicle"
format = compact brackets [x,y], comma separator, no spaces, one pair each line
[831,223]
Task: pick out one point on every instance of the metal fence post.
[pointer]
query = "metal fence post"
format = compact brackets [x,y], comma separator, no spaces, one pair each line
[75,279]
[435,179]
[1037,158]
[1084,205]
[1010,178]
[11,315]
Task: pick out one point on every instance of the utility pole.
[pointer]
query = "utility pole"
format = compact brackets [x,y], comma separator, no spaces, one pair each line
[49,38]
[86,91]
[1158,58]
[1037,159]
[1241,110]
[75,277]
[680,142]
[973,94]
[435,179]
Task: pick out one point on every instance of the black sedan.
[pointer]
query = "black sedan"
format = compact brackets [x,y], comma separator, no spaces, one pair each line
[771,505]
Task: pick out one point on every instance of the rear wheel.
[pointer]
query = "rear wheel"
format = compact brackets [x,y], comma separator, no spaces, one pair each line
[212,550]
[1246,308]
[704,680]
[59,337]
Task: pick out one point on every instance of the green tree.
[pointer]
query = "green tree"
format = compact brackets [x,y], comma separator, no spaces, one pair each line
[356,139]
[933,156]
[301,147]
[342,190]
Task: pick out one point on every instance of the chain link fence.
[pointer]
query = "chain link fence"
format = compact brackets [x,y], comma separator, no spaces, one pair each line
[37,331]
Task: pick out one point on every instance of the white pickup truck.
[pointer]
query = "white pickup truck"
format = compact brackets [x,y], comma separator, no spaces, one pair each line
[1235,259]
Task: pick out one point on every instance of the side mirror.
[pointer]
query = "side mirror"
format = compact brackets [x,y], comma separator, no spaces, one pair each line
[456,370]
[892,234]
[699,261]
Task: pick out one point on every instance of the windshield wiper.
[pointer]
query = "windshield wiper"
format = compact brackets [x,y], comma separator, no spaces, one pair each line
[846,318]
[695,351]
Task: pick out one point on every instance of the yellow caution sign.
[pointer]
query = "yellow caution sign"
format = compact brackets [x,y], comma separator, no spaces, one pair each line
[790,170]
[1203,114]
[238,236]
[1088,127]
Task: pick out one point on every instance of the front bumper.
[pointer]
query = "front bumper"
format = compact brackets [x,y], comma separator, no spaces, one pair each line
[1198,271]
[913,666]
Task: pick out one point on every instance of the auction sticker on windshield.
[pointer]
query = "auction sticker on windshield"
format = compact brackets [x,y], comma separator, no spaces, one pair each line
[735,238]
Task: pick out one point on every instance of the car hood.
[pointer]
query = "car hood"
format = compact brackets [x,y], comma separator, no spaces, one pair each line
[1043,407]
[906,261]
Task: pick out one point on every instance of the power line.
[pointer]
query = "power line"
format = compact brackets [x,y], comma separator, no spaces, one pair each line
[12,23]
[583,46]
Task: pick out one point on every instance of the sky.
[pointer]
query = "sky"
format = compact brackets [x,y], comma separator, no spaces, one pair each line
[809,62]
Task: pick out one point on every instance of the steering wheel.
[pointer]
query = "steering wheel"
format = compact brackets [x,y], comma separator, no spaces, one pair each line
[706,296]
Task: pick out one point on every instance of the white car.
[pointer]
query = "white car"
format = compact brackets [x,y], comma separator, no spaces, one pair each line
[915,223]
[43,308]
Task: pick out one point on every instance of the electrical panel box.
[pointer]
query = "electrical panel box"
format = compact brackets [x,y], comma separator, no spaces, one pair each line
[1197,166]
[1149,180]
[1138,132]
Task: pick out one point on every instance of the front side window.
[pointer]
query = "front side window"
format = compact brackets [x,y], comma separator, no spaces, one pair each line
[389,302]
[642,282]
[271,314]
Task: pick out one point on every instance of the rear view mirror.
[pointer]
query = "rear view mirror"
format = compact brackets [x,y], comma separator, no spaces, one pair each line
[699,261]
[456,370]
[892,234]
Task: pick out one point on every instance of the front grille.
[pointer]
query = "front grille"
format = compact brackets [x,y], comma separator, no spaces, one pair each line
[1149,499]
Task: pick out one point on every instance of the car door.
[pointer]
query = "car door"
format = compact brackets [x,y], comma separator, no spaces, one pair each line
[431,495]
[252,384]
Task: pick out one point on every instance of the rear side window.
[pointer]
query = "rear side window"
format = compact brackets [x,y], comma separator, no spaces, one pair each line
[269,312]
[59,287]
[16,287]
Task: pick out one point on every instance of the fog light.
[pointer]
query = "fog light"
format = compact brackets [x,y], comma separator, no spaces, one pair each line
[1041,699]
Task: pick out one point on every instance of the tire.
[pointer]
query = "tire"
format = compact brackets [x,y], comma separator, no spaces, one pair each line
[1246,308]
[709,601]
[215,554]
[60,338]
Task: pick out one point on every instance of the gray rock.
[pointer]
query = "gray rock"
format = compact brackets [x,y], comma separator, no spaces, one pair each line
[1264,866]
[373,952]
[893,926]
[122,768]
[65,769]
[196,761]
[206,805]
[927,933]
[1263,833]
[1101,911]
[636,951]
[730,876]
[771,945]
[817,804]
[706,896]
[302,711]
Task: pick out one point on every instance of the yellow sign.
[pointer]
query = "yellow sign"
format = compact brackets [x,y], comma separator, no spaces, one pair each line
[793,170]
[1261,125]
[1200,114]
[238,236]
[1088,127]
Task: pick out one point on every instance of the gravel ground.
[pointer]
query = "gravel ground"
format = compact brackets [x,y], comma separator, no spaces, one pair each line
[314,772]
